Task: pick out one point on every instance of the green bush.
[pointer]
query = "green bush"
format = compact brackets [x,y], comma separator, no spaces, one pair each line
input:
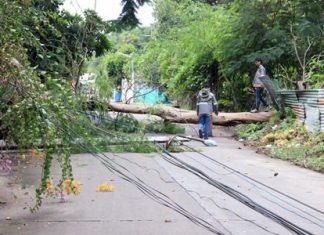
[136,147]
[301,156]
[165,127]
[124,123]
[249,131]
[289,140]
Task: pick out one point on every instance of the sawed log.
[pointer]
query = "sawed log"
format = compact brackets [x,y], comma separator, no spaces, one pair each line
[189,116]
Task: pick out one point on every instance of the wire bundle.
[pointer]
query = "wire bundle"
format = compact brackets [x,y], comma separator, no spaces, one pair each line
[234,193]
[163,199]
[149,191]
[269,190]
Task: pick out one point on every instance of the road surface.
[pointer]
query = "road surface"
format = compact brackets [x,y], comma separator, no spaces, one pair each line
[128,211]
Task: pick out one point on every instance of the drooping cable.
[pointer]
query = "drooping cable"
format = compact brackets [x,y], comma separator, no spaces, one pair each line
[268,187]
[264,193]
[149,191]
[256,181]
[233,193]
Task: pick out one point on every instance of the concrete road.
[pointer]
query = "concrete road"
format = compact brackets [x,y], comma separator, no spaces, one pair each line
[301,184]
[128,211]
[124,211]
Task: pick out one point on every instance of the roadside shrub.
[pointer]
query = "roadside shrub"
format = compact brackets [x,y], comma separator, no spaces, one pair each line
[165,127]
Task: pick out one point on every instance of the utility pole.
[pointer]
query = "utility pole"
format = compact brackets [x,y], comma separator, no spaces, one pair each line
[95,5]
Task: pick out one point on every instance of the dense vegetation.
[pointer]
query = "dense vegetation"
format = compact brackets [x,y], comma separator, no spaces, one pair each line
[43,52]
[198,43]
[216,42]
[119,62]
[286,139]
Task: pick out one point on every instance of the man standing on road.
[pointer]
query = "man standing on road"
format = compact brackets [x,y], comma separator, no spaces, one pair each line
[258,86]
[206,104]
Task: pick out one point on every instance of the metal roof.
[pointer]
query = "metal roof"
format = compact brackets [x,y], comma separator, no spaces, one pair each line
[310,100]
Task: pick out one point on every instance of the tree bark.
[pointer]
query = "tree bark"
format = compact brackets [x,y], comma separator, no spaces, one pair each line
[188,116]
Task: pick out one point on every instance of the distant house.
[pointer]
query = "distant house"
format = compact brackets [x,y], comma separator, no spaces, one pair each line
[87,84]
[151,95]
[136,91]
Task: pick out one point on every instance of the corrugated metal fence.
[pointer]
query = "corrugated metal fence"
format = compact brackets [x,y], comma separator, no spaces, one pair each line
[308,105]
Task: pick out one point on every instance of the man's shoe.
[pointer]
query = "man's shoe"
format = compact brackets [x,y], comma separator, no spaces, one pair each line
[254,111]
[200,134]
[266,109]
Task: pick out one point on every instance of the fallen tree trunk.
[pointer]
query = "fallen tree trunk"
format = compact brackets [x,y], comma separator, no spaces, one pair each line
[188,116]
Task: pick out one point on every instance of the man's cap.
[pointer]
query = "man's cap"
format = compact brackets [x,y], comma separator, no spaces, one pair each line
[204,93]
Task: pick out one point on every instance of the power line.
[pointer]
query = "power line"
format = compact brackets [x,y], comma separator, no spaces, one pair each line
[111,165]
[80,8]
[152,193]
[234,194]
[256,181]
[261,192]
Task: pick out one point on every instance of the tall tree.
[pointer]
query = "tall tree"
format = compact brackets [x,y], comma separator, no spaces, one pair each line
[197,41]
[127,18]
[42,50]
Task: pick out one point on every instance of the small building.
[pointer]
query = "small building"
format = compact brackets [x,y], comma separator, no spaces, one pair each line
[87,84]
[136,91]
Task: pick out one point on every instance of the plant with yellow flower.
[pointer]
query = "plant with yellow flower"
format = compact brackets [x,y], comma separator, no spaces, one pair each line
[72,186]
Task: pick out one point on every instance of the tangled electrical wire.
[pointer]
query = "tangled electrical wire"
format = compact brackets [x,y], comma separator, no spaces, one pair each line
[163,199]
[267,189]
[239,196]
[234,193]
[156,195]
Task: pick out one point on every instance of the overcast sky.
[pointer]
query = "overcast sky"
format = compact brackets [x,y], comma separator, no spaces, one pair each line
[108,9]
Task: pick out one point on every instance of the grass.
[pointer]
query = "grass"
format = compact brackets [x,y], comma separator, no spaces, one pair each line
[165,127]
[300,157]
[135,147]
[288,140]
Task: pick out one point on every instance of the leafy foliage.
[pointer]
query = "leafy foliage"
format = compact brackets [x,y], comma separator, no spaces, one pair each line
[109,72]
[136,147]
[57,42]
[287,139]
[198,42]
[118,64]
[315,75]
[127,18]
[42,50]
[182,53]
[164,127]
